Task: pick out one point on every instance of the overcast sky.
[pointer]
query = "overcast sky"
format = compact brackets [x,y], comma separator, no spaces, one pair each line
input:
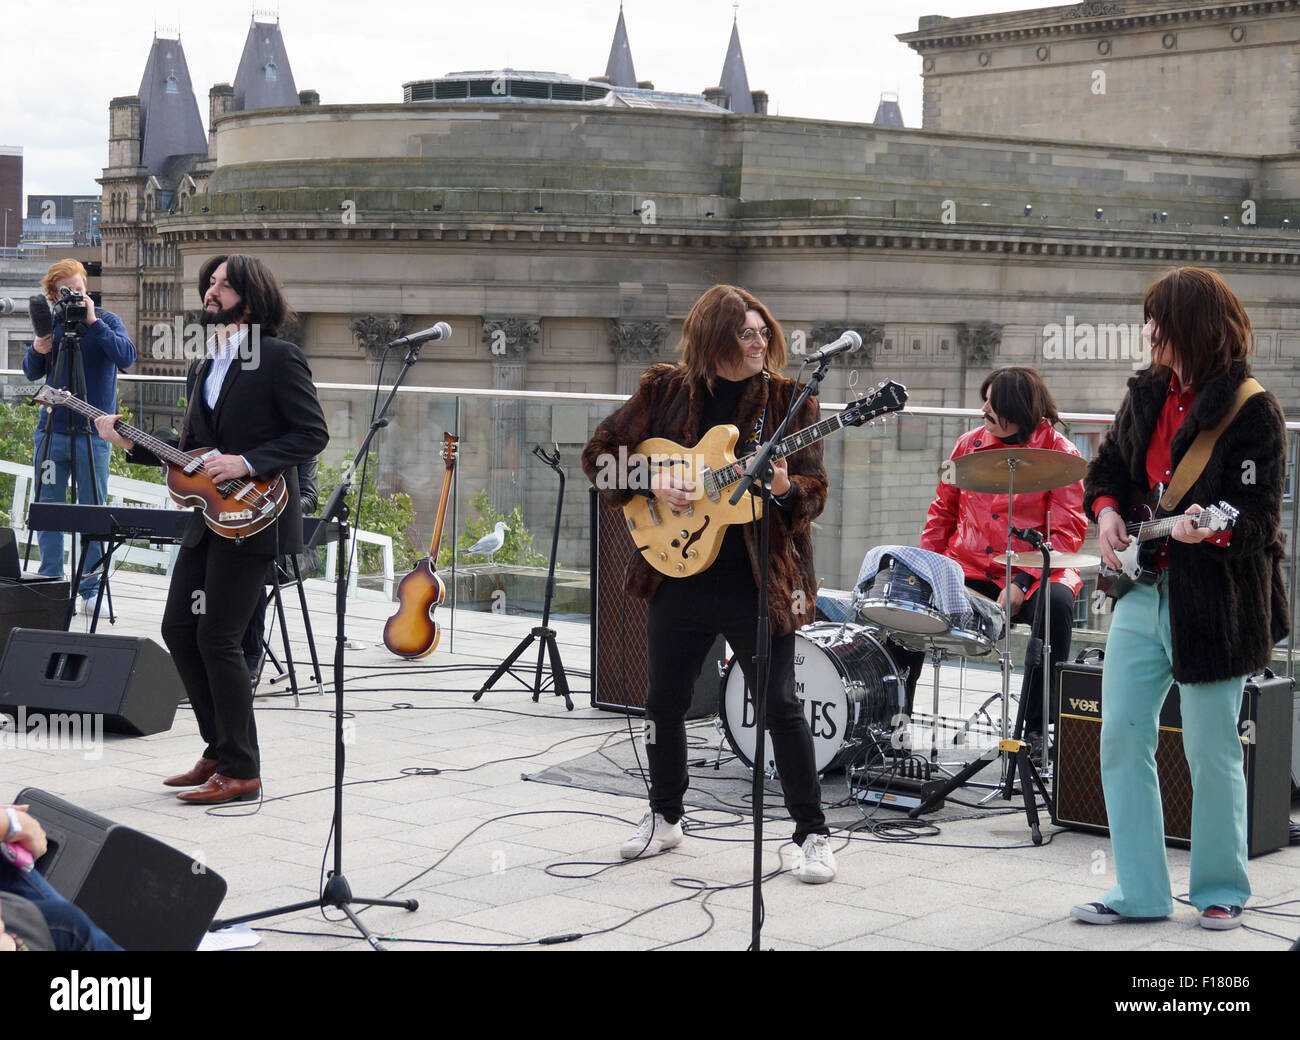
[828,59]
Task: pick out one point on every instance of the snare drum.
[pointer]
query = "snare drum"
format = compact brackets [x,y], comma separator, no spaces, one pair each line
[974,639]
[847,683]
[902,601]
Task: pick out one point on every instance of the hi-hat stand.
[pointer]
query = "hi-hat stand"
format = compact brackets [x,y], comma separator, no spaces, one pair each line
[543,632]
[982,471]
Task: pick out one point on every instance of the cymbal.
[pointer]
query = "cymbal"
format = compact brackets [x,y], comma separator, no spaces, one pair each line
[1037,469]
[1033,561]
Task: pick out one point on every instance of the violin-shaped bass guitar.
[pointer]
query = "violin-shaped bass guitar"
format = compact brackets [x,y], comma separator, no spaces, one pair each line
[412,632]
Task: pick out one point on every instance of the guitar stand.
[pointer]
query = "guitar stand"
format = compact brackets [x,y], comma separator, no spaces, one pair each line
[548,646]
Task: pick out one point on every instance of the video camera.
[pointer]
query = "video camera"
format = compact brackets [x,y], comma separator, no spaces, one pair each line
[70,308]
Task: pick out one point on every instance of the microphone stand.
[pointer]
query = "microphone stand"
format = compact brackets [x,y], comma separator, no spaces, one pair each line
[337,893]
[760,469]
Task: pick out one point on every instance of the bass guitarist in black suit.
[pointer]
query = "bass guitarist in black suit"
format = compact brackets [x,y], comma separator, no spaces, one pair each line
[252,401]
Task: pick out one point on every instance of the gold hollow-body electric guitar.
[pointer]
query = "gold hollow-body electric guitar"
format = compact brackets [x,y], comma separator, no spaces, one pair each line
[683,543]
[413,632]
[237,508]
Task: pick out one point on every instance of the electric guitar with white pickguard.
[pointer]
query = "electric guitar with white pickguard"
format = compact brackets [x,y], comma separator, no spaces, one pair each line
[1147,533]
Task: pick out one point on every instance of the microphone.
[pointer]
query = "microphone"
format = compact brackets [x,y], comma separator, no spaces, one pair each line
[38,307]
[440,331]
[846,344]
[7,306]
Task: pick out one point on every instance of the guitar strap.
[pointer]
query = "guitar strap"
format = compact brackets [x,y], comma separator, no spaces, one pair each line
[1194,462]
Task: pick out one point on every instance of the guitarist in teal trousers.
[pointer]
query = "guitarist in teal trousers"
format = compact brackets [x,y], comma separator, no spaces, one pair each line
[1209,609]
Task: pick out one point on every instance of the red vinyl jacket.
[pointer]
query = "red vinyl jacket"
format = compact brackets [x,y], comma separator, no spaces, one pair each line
[971,528]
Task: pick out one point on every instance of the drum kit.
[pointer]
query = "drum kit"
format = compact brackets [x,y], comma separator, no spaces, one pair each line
[850,686]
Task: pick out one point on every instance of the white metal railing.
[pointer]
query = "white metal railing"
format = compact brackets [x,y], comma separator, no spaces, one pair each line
[125,490]
[385,544]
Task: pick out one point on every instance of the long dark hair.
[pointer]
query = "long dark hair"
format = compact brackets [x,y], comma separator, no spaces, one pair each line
[257,287]
[1019,396]
[711,334]
[1200,321]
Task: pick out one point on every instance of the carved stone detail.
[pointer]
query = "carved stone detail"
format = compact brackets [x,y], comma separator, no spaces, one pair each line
[637,341]
[872,333]
[1095,9]
[511,337]
[373,332]
[980,340]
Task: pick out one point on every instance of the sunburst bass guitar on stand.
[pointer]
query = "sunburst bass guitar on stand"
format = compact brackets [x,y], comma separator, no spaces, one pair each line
[682,543]
[413,632]
[1147,533]
[236,508]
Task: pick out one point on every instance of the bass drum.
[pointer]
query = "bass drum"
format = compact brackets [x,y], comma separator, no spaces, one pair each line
[848,685]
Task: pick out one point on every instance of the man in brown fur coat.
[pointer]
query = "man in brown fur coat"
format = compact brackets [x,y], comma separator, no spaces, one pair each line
[732,353]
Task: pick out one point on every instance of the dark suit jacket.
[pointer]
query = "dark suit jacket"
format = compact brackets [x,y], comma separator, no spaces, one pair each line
[268,413]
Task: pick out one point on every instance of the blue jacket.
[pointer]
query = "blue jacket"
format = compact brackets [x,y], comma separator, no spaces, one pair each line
[104,349]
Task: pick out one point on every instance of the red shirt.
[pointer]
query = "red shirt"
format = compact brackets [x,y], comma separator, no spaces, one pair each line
[1178,402]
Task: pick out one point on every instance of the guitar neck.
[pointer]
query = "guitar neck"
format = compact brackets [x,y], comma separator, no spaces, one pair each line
[725,478]
[1149,530]
[449,449]
[167,452]
[435,543]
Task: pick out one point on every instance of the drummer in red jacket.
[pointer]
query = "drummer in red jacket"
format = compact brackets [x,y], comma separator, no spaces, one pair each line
[971,528]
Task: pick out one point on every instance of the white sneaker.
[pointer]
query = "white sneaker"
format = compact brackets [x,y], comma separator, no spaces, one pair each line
[814,862]
[653,836]
[86,606]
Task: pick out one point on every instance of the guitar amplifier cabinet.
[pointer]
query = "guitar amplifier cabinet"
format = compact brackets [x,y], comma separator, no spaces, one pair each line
[619,672]
[1266,708]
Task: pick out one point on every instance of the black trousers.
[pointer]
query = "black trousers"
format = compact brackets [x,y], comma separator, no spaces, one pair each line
[214,591]
[1062,628]
[686,616]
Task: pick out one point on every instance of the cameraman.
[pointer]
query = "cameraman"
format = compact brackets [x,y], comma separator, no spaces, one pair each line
[105,348]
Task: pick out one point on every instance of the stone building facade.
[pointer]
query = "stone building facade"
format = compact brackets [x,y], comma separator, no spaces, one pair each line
[565,243]
[1163,73]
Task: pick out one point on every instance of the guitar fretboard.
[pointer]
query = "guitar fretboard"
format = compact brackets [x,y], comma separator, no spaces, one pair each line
[161,448]
[717,481]
[1148,530]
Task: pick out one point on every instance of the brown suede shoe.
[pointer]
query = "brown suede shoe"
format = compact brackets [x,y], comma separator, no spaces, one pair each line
[203,769]
[220,789]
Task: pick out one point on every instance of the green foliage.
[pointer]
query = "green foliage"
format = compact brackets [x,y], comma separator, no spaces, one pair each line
[119,467]
[383,514]
[518,548]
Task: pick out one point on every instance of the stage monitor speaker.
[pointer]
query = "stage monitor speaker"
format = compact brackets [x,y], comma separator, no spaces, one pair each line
[129,680]
[1266,742]
[146,895]
[619,672]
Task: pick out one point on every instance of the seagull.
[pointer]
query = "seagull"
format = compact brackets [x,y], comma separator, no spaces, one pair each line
[490,543]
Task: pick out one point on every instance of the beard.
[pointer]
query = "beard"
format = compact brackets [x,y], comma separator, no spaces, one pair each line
[230,316]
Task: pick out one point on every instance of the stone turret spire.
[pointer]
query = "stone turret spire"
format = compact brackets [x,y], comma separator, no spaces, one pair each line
[264,79]
[169,112]
[619,69]
[734,80]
